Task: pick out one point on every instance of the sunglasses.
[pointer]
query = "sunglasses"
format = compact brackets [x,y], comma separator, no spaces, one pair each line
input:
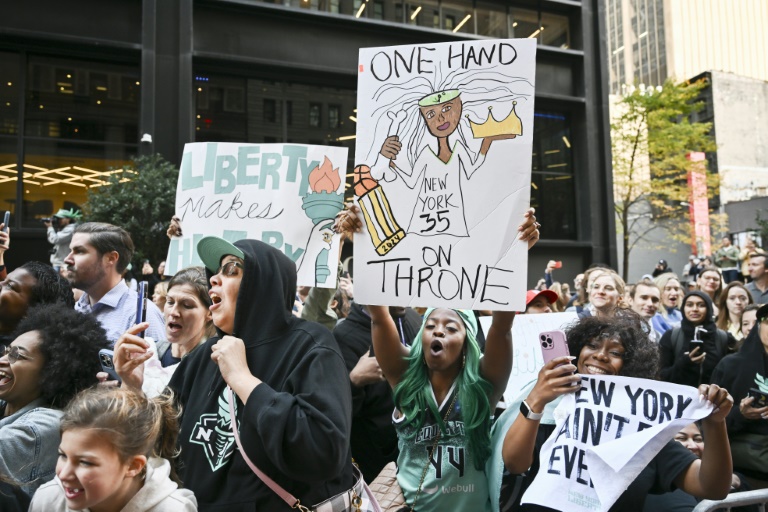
[230,269]
[13,354]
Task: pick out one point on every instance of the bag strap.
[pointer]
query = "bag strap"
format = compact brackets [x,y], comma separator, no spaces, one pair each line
[677,339]
[287,497]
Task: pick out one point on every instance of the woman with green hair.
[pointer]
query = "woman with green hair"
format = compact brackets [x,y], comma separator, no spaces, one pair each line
[443,393]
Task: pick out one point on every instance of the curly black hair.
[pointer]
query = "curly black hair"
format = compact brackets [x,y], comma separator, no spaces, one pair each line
[70,344]
[641,355]
[50,287]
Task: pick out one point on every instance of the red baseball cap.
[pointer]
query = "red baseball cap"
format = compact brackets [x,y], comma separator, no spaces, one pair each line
[531,295]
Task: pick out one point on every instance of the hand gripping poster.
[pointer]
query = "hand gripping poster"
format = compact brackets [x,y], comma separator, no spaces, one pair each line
[286,195]
[442,173]
[605,435]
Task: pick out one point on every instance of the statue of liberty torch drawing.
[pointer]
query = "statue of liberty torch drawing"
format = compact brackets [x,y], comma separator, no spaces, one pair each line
[321,205]
[435,166]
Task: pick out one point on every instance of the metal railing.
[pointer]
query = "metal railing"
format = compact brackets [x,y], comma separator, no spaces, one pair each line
[737,499]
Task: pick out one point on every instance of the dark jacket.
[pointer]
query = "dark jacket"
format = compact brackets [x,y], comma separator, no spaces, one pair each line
[676,366]
[738,373]
[373,441]
[295,426]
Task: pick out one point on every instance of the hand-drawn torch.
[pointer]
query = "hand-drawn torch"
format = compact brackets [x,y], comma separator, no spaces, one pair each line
[321,205]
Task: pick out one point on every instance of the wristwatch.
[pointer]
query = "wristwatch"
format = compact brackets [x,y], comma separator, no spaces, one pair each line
[526,411]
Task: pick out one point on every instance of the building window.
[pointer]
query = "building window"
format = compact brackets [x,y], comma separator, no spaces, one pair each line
[553,189]
[378,10]
[314,115]
[270,111]
[80,126]
[334,112]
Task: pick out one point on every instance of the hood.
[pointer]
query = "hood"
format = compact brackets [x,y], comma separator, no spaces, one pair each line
[267,292]
[709,321]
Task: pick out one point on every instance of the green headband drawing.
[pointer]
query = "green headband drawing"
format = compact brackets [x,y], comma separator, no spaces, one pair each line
[434,170]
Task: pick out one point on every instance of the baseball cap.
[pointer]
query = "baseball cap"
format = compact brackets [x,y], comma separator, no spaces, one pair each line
[531,295]
[212,248]
[662,262]
[762,313]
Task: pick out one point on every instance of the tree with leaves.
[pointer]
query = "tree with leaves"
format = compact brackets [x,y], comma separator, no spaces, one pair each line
[650,138]
[140,199]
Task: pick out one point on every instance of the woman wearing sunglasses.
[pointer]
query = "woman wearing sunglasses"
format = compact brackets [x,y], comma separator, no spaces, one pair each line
[290,386]
[54,355]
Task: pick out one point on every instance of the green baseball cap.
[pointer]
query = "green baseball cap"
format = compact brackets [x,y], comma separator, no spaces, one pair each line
[68,214]
[212,248]
[439,97]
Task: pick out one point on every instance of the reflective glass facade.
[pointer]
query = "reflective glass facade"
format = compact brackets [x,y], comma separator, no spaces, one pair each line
[70,124]
[83,84]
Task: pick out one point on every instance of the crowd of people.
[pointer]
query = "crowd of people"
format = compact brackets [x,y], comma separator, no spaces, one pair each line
[242,391]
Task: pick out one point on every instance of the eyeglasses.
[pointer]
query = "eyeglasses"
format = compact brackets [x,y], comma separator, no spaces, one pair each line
[230,268]
[13,354]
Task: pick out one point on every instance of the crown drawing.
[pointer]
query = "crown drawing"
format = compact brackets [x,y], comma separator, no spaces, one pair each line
[509,126]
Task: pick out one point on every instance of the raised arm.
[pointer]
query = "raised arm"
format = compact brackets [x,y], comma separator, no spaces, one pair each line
[390,353]
[710,477]
[496,364]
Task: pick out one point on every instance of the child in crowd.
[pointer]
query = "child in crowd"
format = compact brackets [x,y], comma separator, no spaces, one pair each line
[112,441]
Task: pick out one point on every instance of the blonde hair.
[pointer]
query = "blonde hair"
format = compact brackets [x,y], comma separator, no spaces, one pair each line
[127,419]
[661,281]
[558,305]
[621,286]
[161,289]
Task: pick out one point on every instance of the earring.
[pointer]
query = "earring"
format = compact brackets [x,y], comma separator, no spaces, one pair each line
[463,361]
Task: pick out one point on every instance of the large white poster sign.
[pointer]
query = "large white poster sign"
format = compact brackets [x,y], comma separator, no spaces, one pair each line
[286,195]
[605,434]
[443,173]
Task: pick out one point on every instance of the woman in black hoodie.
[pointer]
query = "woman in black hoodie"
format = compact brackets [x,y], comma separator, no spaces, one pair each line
[748,423]
[291,386]
[689,353]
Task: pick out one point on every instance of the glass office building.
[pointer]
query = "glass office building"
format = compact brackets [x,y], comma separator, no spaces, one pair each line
[83,83]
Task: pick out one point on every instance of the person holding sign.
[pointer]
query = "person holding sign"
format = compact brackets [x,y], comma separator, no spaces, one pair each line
[614,346]
[444,392]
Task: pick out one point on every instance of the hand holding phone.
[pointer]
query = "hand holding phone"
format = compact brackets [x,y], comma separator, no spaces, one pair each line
[6,220]
[760,399]
[106,358]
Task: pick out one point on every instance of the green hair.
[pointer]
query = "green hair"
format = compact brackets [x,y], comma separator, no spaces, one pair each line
[413,394]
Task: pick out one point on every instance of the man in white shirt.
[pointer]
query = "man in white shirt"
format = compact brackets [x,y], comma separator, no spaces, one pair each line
[99,253]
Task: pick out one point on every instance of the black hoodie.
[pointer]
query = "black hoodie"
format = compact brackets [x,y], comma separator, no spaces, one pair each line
[737,373]
[373,441]
[676,366]
[295,426]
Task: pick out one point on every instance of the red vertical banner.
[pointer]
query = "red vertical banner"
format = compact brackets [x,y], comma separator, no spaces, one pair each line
[698,204]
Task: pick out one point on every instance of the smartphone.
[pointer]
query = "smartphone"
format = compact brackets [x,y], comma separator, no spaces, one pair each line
[553,345]
[141,305]
[6,220]
[106,358]
[760,398]
[558,264]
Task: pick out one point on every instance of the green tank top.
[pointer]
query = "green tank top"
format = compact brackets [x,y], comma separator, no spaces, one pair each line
[452,482]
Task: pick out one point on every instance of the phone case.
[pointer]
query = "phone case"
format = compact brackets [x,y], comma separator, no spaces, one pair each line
[553,345]
[107,364]
[761,399]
